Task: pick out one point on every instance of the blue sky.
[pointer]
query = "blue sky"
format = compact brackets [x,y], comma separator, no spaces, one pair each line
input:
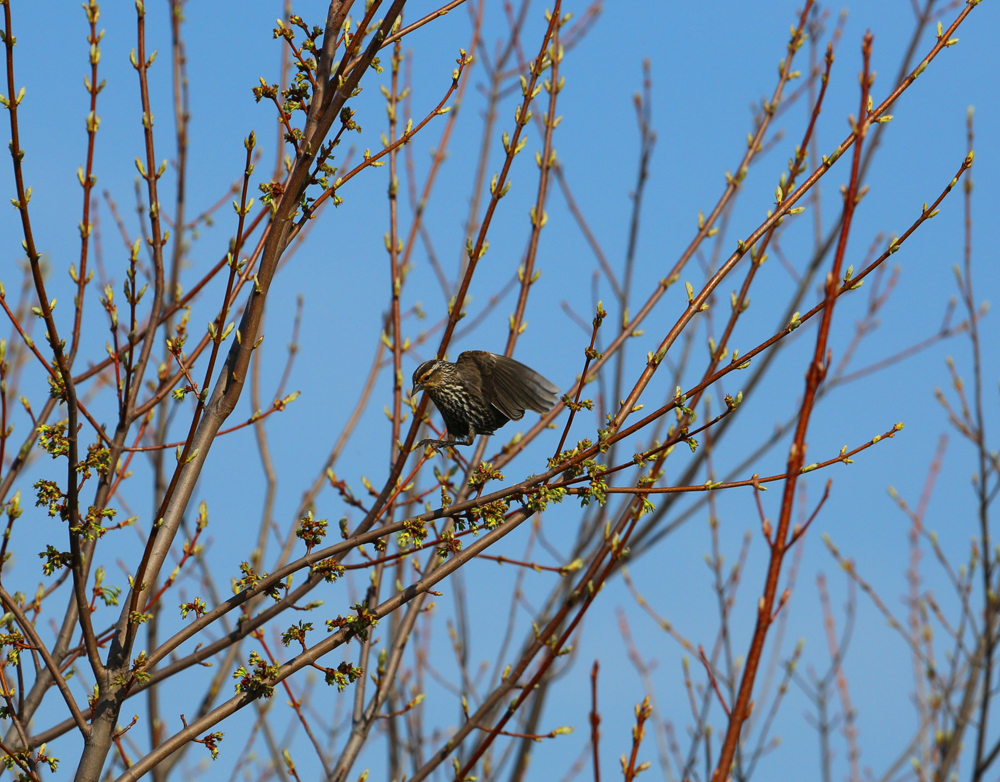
[709,63]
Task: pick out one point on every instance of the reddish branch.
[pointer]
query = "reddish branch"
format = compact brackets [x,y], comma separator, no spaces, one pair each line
[595,722]
[796,457]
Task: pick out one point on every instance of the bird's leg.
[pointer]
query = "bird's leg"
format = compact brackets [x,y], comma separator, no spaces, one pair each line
[439,444]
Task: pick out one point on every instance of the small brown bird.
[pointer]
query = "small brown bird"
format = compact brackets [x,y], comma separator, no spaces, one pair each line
[481,392]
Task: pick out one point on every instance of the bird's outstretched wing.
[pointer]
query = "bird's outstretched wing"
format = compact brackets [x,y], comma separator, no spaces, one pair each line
[509,385]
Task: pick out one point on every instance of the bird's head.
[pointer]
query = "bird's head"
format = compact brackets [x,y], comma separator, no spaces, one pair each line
[429,375]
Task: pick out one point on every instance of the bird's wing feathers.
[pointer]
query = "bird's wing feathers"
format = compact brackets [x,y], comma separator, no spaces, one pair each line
[509,385]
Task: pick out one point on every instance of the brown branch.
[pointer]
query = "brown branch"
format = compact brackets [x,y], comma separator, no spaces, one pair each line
[629,767]
[87,179]
[712,679]
[63,381]
[29,631]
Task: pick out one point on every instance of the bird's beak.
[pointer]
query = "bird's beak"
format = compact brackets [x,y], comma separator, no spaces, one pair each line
[417,388]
